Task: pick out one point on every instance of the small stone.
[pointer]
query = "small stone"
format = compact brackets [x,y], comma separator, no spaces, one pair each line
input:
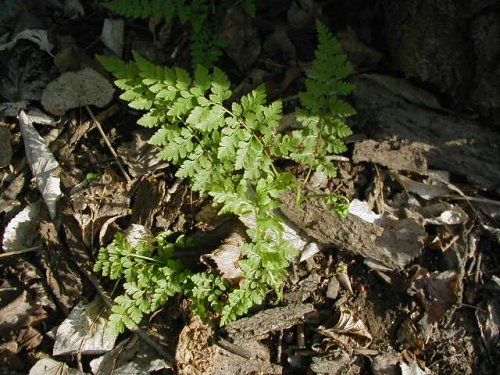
[333,288]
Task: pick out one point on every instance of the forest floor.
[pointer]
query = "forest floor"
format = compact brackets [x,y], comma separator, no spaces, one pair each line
[408,283]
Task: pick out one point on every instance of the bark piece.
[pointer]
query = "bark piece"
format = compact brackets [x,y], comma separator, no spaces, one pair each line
[261,324]
[391,154]
[462,147]
[393,242]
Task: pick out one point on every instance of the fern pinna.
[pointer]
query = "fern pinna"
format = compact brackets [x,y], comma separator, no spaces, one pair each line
[228,150]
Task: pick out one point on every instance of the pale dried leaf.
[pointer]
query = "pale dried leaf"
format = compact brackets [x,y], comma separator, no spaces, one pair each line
[132,357]
[113,35]
[362,210]
[77,89]
[22,230]
[73,9]
[48,366]
[39,37]
[84,330]
[44,166]
[425,191]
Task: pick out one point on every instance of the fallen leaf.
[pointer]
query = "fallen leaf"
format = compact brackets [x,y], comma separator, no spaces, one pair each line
[77,89]
[61,275]
[44,166]
[443,213]
[346,329]
[15,313]
[5,147]
[22,230]
[362,210]
[132,357]
[426,191]
[39,37]
[48,366]
[113,35]
[435,290]
[410,366]
[84,331]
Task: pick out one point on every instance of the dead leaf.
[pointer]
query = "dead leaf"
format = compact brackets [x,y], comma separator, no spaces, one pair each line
[5,147]
[358,53]
[60,274]
[347,330]
[132,357]
[22,230]
[44,166]
[436,291]
[386,364]
[444,213]
[140,156]
[362,210]
[24,72]
[39,37]
[14,314]
[410,366]
[77,89]
[489,324]
[84,331]
[102,202]
[113,35]
[48,366]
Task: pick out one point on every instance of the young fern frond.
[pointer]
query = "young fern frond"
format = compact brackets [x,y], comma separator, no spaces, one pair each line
[228,151]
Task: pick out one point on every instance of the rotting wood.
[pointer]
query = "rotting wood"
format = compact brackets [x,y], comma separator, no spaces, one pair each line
[261,324]
[394,243]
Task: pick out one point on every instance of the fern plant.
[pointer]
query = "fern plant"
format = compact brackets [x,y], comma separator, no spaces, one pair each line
[228,151]
[200,15]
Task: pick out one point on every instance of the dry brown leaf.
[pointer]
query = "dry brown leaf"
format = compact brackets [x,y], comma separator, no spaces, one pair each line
[75,90]
[436,291]
[347,330]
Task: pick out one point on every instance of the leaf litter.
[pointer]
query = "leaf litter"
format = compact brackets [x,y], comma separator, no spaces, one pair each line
[421,274]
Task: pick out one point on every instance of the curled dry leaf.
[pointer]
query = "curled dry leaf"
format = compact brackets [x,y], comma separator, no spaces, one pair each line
[347,330]
[39,37]
[77,89]
[22,230]
[44,166]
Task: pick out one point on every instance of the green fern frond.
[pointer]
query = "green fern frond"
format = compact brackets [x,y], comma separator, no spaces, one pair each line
[228,151]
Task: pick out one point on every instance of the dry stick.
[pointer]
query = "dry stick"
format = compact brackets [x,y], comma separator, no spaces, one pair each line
[111,149]
[19,252]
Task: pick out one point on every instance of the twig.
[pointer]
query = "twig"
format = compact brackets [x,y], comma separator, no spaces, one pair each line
[19,252]
[111,149]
